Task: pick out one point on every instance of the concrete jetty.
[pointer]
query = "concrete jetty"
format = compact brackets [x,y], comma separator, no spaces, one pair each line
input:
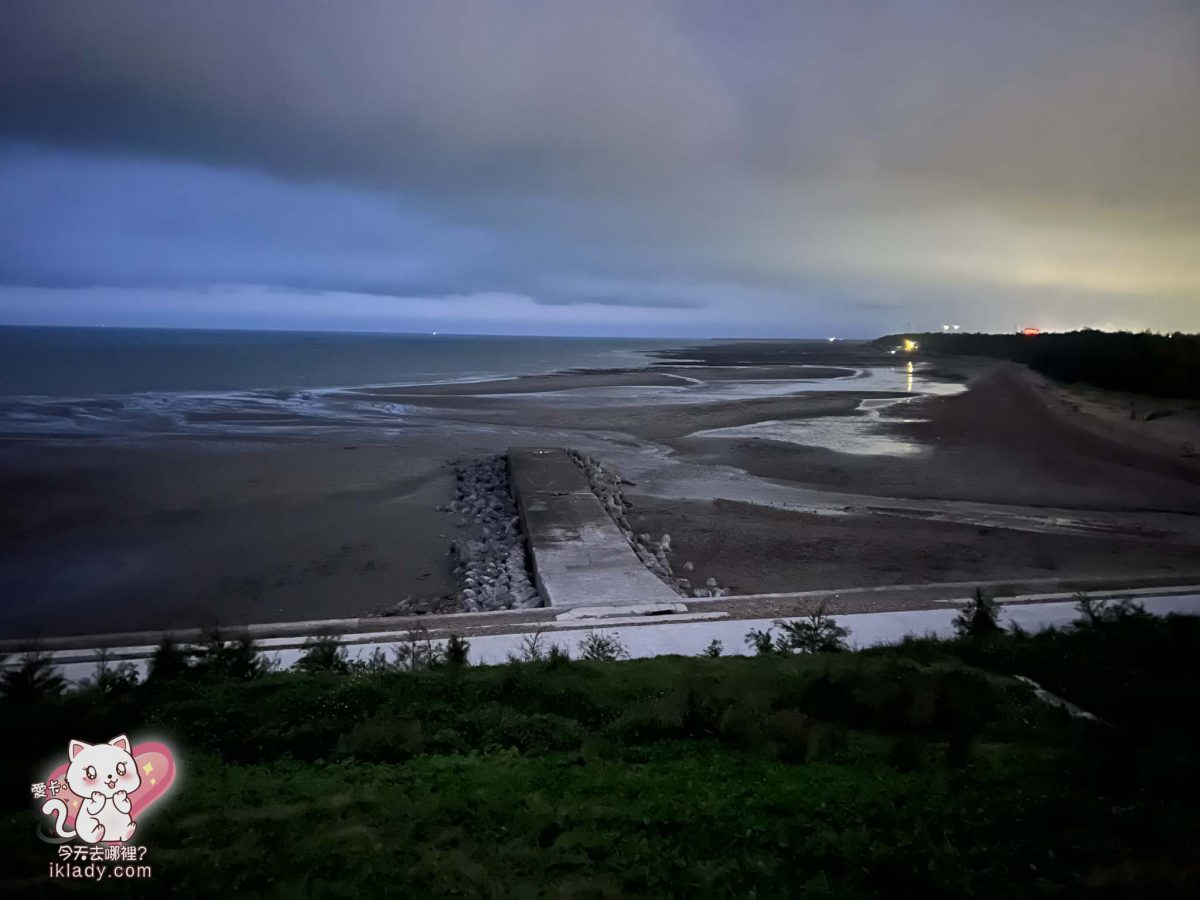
[578,554]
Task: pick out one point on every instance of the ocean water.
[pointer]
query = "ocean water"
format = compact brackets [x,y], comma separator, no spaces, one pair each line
[120,381]
[99,362]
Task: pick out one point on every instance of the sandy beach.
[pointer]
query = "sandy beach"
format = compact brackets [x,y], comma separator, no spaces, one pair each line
[957,469]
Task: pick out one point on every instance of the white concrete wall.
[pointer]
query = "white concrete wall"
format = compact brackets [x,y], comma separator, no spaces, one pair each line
[690,638]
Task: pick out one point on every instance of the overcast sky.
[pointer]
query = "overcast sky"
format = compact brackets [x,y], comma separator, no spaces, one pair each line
[681,168]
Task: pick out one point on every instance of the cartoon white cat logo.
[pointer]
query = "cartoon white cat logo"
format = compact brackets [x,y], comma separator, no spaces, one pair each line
[104,775]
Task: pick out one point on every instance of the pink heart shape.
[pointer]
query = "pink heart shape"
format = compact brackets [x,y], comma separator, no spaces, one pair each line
[156,765]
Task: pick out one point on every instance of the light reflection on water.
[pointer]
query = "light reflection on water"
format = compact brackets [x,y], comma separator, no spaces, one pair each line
[863,433]
[860,435]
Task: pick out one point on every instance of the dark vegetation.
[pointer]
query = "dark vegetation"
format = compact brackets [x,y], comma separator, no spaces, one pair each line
[1155,364]
[922,769]
[816,633]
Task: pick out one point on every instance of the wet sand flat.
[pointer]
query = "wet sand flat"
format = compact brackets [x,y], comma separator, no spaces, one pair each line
[527,384]
[216,533]
[751,549]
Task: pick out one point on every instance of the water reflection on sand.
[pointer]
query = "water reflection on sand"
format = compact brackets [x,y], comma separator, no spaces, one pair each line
[862,433]
[306,412]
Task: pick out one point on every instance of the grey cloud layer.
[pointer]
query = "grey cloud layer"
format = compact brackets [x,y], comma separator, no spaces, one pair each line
[862,150]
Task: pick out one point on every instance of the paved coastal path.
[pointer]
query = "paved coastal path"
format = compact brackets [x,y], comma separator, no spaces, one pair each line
[578,554]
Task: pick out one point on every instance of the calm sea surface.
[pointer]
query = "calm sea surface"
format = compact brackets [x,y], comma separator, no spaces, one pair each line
[91,362]
[69,382]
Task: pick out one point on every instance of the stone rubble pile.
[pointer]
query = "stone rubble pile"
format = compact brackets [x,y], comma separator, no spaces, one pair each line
[492,572]
[654,554]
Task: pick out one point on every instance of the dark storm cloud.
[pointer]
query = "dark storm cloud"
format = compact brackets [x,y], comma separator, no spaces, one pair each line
[76,222]
[754,159]
[380,93]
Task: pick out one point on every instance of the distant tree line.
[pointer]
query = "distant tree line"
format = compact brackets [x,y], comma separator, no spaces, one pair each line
[1161,365]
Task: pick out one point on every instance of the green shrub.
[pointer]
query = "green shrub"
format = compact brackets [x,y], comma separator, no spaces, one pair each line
[532,648]
[447,739]
[501,727]
[790,731]
[169,662]
[597,748]
[416,651]
[649,721]
[1095,612]
[762,642]
[602,648]
[979,619]
[457,652]
[384,738]
[826,740]
[108,678]
[238,659]
[33,680]
[323,653]
[743,724]
[816,633]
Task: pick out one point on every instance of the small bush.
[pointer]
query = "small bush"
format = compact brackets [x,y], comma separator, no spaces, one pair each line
[1093,612]
[457,652]
[979,619]
[598,749]
[649,721]
[826,739]
[713,650]
[762,642]
[829,697]
[531,649]
[501,727]
[966,703]
[416,651]
[447,740]
[817,633]
[790,730]
[700,717]
[323,653]
[602,648]
[557,656]
[382,738]
[170,661]
[108,678]
[237,660]
[372,665]
[34,679]
[743,723]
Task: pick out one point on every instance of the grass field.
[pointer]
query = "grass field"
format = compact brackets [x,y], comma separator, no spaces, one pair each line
[919,769]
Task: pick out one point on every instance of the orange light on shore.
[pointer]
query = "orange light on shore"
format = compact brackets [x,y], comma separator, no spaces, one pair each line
[1030,331]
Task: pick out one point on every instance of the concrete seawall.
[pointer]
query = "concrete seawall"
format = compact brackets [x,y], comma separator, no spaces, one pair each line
[579,556]
[649,636]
